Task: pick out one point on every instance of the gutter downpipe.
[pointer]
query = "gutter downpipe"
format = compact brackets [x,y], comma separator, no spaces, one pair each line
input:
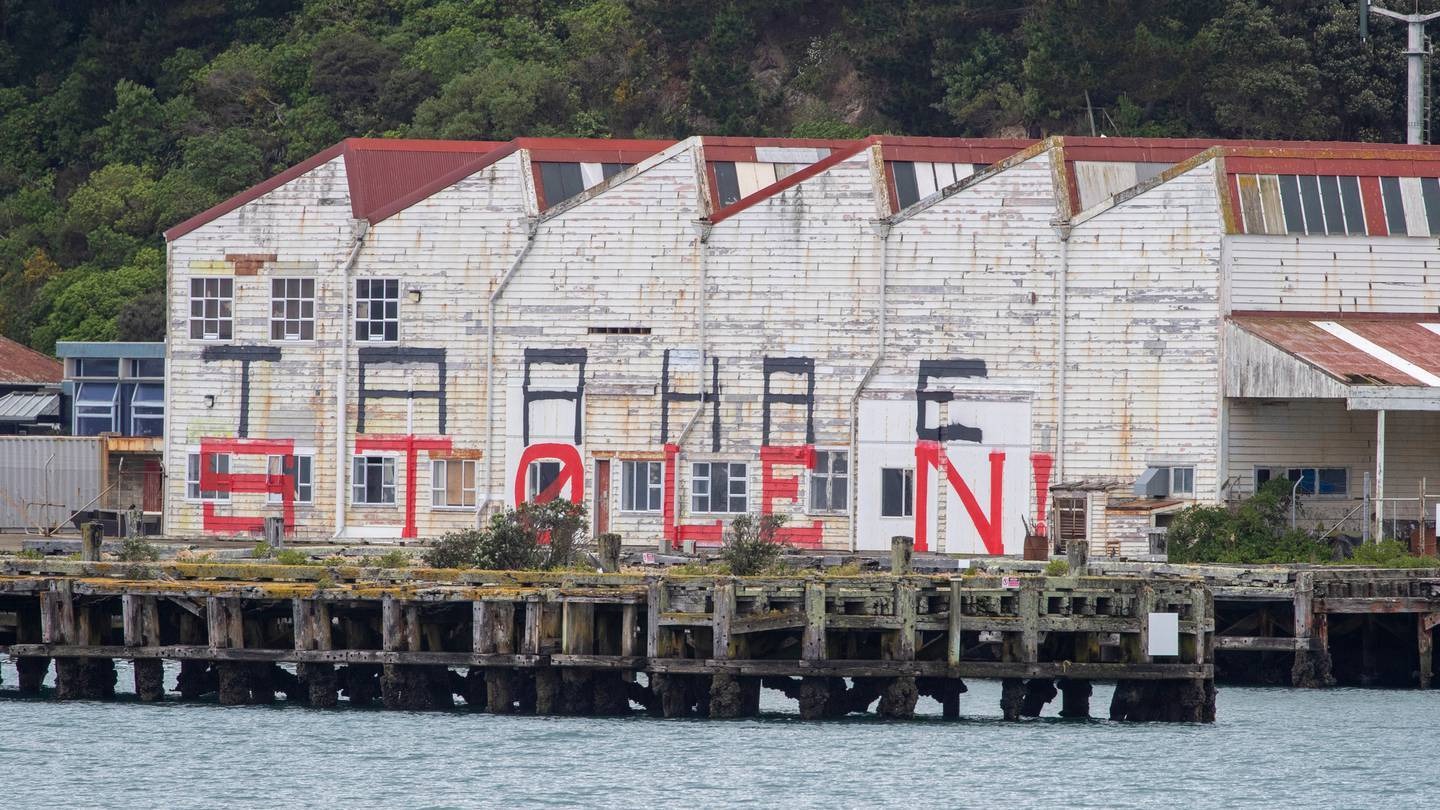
[341,390]
[702,258]
[1063,228]
[882,231]
[532,226]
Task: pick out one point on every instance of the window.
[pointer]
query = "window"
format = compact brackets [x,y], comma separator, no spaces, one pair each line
[152,367]
[299,469]
[907,186]
[452,482]
[219,463]
[609,170]
[830,481]
[1301,204]
[897,492]
[211,300]
[641,485]
[1323,481]
[539,477]
[1412,205]
[618,330]
[727,182]
[147,410]
[1182,480]
[377,309]
[292,309]
[560,181]
[102,367]
[1070,519]
[718,487]
[373,481]
[95,408]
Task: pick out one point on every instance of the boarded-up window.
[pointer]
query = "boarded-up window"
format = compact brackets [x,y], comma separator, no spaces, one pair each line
[727,182]
[1070,519]
[452,482]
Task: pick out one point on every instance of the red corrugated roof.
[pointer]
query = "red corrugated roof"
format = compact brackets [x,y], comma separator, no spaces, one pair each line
[1356,349]
[22,365]
[378,171]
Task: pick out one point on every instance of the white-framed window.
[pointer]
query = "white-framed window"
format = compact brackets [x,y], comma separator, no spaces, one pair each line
[539,476]
[641,486]
[95,408]
[373,480]
[719,487]
[300,469]
[377,309]
[147,410]
[219,463]
[452,482]
[212,300]
[897,492]
[830,481]
[1333,482]
[292,309]
[1182,481]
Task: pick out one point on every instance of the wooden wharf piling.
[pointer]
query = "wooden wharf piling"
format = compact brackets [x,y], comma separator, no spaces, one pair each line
[574,643]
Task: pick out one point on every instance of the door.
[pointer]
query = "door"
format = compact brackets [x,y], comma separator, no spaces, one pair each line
[602,496]
[150,486]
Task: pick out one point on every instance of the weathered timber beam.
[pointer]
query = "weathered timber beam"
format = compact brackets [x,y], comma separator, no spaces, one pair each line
[677,619]
[848,621]
[599,661]
[763,623]
[1387,604]
[1260,643]
[939,669]
[190,652]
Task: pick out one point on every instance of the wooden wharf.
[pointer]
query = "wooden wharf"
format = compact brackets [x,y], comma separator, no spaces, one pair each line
[1315,625]
[577,643]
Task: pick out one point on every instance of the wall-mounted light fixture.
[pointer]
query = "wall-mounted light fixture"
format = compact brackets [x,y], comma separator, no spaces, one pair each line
[413,294]
[209,400]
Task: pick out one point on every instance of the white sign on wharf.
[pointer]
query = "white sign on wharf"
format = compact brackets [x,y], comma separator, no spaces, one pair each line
[1164,634]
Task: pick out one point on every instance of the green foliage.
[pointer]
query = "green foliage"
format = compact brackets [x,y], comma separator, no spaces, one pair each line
[532,536]
[262,550]
[291,556]
[750,545]
[395,558]
[1389,554]
[138,549]
[1057,568]
[119,120]
[1257,531]
[29,554]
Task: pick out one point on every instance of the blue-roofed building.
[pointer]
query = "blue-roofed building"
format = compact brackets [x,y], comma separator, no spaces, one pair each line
[117,390]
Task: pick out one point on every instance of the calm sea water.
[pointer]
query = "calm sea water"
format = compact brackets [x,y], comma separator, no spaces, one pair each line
[1271,748]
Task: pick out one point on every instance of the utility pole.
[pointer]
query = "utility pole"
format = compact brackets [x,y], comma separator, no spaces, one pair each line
[1415,54]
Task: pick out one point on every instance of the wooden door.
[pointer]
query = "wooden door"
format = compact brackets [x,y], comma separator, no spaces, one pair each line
[602,496]
[151,486]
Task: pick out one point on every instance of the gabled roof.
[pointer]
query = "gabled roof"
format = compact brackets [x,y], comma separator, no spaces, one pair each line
[28,406]
[378,171]
[22,365]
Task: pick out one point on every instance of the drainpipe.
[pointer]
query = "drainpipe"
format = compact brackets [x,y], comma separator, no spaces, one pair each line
[702,258]
[532,225]
[362,229]
[1062,228]
[882,231]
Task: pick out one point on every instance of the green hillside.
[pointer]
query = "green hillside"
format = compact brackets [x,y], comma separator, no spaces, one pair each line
[118,119]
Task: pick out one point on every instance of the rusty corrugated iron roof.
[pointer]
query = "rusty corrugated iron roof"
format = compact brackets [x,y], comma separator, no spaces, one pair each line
[1356,349]
[22,365]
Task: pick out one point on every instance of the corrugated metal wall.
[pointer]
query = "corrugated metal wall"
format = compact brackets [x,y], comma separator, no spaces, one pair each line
[43,479]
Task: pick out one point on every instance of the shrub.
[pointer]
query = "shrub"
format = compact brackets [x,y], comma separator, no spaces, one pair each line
[138,549]
[1057,568]
[531,536]
[290,556]
[750,544]
[1389,554]
[459,549]
[394,558]
[1257,531]
[30,554]
[262,550]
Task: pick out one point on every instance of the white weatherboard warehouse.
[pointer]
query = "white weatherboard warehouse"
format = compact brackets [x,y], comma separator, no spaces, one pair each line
[392,339]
